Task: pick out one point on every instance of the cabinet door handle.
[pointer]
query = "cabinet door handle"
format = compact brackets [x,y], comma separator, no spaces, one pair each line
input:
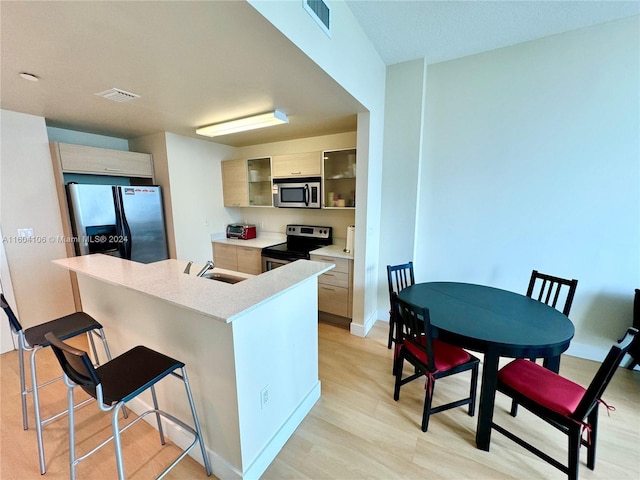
[330,289]
[296,173]
[107,169]
[329,274]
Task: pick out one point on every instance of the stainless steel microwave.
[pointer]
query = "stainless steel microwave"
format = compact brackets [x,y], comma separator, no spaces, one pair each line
[297,192]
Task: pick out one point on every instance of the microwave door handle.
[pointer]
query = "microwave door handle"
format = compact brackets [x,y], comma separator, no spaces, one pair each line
[306,195]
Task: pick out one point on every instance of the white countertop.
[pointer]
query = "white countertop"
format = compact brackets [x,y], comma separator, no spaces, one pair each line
[166,281]
[260,242]
[336,251]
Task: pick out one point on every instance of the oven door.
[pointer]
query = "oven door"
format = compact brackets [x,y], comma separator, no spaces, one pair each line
[269,263]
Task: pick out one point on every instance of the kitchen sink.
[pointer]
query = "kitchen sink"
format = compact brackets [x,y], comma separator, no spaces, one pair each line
[221,277]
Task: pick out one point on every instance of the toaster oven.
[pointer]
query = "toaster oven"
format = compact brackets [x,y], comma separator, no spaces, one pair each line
[241,231]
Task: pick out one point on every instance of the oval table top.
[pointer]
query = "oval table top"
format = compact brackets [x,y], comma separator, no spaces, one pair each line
[480,316]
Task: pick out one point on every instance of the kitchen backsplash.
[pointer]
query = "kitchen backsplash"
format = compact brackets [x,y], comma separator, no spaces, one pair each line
[276,219]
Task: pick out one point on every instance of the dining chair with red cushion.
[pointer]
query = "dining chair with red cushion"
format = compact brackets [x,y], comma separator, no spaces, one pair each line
[562,403]
[557,292]
[430,357]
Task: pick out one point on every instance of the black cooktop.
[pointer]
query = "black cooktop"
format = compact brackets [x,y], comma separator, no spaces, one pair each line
[301,239]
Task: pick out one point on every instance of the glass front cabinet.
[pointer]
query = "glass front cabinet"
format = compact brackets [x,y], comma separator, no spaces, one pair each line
[339,175]
[259,176]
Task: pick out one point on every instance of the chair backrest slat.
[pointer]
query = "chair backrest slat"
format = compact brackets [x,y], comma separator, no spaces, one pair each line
[14,323]
[399,277]
[605,373]
[550,289]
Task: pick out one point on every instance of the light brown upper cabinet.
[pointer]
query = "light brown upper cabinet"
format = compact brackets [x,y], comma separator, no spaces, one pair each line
[235,187]
[103,161]
[339,177]
[297,165]
[260,182]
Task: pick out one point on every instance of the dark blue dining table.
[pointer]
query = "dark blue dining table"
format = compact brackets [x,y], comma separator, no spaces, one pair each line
[497,323]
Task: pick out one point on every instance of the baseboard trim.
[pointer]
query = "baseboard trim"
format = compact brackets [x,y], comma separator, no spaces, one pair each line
[264,459]
[361,330]
[220,467]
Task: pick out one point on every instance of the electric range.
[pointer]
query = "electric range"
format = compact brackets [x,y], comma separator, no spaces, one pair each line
[301,239]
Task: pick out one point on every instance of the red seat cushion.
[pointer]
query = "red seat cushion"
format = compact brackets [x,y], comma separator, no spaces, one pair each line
[542,386]
[445,356]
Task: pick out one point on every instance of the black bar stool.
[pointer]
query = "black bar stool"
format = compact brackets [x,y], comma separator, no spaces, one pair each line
[115,383]
[32,340]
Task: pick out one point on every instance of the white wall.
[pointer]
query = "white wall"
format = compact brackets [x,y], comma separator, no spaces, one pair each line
[532,161]
[75,137]
[189,171]
[28,199]
[404,112]
[7,342]
[196,194]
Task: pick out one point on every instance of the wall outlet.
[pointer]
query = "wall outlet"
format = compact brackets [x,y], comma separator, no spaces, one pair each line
[264,397]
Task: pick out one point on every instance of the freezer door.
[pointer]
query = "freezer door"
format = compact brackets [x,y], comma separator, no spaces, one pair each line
[93,218]
[144,216]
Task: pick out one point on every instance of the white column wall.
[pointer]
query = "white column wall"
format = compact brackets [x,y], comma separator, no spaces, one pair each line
[29,200]
[404,112]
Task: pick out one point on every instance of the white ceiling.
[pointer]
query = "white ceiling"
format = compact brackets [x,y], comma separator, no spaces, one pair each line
[197,63]
[443,30]
[192,63]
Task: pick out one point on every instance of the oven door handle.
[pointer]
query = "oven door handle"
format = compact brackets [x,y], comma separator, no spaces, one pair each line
[307,195]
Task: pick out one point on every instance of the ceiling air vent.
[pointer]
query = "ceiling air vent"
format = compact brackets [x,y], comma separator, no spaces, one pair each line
[320,12]
[117,95]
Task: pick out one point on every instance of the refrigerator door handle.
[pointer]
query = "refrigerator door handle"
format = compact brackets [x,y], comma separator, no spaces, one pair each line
[123,229]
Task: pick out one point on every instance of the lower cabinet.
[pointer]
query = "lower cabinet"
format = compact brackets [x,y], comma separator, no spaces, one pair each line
[237,258]
[335,292]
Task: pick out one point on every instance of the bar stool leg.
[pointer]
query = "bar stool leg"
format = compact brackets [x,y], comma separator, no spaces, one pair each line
[23,383]
[116,440]
[72,432]
[205,457]
[104,343]
[93,348]
[36,408]
[158,419]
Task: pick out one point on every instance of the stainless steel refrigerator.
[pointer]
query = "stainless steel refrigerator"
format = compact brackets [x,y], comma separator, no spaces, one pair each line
[126,222]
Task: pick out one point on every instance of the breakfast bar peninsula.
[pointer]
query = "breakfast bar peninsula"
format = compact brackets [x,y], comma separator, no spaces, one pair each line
[251,348]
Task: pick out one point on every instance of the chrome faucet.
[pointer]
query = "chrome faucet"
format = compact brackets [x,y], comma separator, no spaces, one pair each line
[187,269]
[207,266]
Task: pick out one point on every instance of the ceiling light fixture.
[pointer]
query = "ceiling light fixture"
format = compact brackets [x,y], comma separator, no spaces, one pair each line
[242,124]
[29,76]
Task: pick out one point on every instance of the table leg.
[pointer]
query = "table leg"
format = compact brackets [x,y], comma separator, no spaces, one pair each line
[487,399]
[552,363]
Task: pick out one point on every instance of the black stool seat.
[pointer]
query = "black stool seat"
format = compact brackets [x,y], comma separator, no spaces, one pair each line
[131,373]
[64,328]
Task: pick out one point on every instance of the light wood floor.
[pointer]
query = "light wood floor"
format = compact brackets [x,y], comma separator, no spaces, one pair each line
[355,431]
